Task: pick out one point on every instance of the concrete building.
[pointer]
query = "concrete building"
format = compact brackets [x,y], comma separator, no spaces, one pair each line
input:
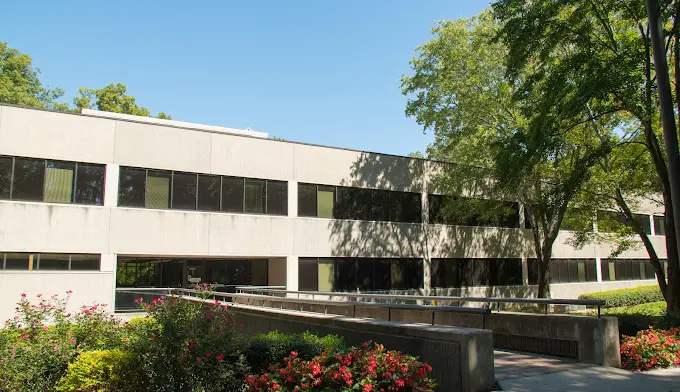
[94,201]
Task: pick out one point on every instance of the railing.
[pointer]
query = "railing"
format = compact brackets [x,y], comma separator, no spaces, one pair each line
[388,298]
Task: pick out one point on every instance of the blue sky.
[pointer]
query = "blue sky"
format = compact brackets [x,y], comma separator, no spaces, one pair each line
[324,72]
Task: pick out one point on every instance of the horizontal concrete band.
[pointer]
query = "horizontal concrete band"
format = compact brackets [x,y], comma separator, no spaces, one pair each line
[461,358]
[588,339]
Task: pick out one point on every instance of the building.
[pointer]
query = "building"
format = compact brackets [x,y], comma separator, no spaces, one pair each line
[94,201]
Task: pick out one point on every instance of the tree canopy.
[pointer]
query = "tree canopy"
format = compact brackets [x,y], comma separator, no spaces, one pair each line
[20,84]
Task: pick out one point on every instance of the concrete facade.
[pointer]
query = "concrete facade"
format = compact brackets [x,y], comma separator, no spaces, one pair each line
[110,230]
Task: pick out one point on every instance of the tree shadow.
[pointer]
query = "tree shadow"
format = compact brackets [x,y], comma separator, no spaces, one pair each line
[360,238]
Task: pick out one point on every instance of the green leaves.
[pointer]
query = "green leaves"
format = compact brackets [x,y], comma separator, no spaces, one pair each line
[112,98]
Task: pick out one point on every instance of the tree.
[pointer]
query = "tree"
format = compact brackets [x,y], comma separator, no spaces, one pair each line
[488,128]
[112,98]
[20,82]
[603,50]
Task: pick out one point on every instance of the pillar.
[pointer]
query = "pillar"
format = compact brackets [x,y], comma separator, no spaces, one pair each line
[598,268]
[292,265]
[111,179]
[425,217]
[292,198]
[525,271]
[652,231]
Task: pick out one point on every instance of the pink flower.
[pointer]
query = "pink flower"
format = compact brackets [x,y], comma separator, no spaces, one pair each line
[56,348]
[220,357]
[72,341]
[23,295]
[46,329]
[25,336]
[69,292]
[39,295]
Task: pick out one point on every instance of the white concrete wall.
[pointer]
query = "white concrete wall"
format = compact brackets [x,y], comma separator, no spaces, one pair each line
[45,227]
[88,288]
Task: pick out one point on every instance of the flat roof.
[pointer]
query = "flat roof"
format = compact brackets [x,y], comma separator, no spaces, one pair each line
[205,128]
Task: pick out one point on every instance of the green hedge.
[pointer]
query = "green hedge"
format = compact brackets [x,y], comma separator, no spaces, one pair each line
[627,297]
[102,371]
[266,349]
[640,317]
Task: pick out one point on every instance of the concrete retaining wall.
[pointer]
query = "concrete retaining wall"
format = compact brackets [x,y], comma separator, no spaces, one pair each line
[461,358]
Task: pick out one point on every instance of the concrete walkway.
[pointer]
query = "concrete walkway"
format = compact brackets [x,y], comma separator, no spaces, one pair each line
[531,372]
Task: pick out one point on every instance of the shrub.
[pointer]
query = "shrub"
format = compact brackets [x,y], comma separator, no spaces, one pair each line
[627,297]
[190,347]
[650,349]
[102,371]
[370,368]
[633,319]
[265,349]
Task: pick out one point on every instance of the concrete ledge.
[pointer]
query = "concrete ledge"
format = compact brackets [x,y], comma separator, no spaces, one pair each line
[461,358]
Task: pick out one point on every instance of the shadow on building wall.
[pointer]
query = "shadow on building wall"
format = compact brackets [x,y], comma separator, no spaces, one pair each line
[355,238]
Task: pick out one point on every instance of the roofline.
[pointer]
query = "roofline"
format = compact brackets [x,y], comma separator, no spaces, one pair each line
[194,128]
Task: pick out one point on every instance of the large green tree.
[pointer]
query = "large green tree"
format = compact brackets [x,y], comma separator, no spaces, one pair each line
[602,50]
[20,82]
[489,128]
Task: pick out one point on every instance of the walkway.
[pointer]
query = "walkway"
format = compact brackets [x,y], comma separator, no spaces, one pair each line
[533,372]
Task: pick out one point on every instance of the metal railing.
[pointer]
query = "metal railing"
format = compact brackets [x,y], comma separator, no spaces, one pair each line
[545,302]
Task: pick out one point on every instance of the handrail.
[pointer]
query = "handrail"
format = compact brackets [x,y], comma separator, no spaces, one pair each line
[497,300]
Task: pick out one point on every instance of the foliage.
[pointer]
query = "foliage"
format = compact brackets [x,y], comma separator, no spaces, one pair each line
[265,349]
[102,371]
[369,368]
[626,297]
[192,348]
[112,98]
[20,82]
[650,349]
[43,338]
[633,319]
[593,60]
[487,127]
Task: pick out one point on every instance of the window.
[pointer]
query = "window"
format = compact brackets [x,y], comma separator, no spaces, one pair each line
[184,191]
[90,184]
[158,189]
[308,271]
[572,270]
[345,275]
[326,201]
[380,205]
[434,204]
[29,175]
[405,207]
[232,194]
[277,197]
[659,225]
[365,274]
[85,262]
[627,269]
[59,178]
[326,273]
[53,262]
[132,187]
[208,193]
[49,261]
[6,164]
[306,200]
[344,209]
[255,194]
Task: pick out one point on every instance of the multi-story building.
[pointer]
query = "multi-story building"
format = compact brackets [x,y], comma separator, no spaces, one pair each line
[94,201]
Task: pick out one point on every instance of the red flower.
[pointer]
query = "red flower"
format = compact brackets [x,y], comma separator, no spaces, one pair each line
[220,358]
[368,387]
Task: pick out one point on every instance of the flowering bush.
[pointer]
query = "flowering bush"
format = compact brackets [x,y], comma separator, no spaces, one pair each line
[192,348]
[370,368]
[43,338]
[650,349]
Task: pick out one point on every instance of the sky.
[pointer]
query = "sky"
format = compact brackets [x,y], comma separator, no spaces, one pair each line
[314,71]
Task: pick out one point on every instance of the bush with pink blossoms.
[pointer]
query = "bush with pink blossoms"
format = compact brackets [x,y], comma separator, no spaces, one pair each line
[370,368]
[651,349]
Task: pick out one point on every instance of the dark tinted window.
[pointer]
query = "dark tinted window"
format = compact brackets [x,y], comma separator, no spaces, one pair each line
[382,274]
[365,274]
[344,207]
[85,262]
[532,265]
[53,262]
[90,184]
[5,176]
[277,197]
[405,207]
[232,194]
[308,272]
[345,275]
[255,192]
[29,175]
[362,204]
[132,187]
[380,206]
[184,191]
[643,220]
[16,261]
[659,225]
[306,200]
[208,193]
[434,206]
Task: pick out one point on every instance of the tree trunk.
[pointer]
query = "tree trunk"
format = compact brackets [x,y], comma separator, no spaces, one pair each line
[544,271]
[653,256]
[672,257]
